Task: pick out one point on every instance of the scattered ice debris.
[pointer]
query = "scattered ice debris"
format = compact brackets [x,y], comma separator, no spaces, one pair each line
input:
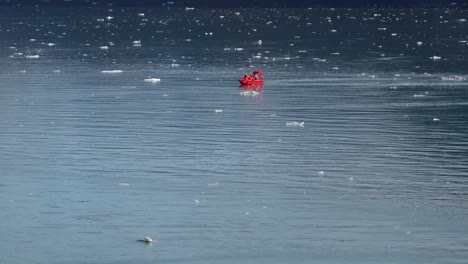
[50,44]
[189,8]
[104,47]
[461,20]
[435,58]
[218,110]
[136,43]
[394,34]
[152,80]
[147,240]
[295,124]
[321,173]
[435,119]
[112,71]
[109,18]
[175,65]
[249,93]
[32,56]
[454,78]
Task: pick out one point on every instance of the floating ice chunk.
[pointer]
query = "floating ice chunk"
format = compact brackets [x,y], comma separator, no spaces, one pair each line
[123,184]
[141,14]
[435,58]
[419,43]
[189,8]
[112,71]
[109,18]
[136,43]
[418,95]
[321,173]
[382,29]
[196,201]
[454,78]
[100,20]
[295,124]
[249,93]
[56,71]
[461,20]
[394,34]
[216,184]
[259,42]
[239,49]
[32,56]
[333,30]
[50,44]
[147,240]
[104,47]
[335,68]
[175,65]
[218,110]
[32,40]
[237,13]
[435,119]
[152,80]
[335,53]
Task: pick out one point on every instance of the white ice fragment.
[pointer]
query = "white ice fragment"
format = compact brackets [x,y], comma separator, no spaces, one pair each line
[419,43]
[56,71]
[249,93]
[333,30]
[382,29]
[109,17]
[196,201]
[112,71]
[237,13]
[123,184]
[454,78]
[321,173]
[104,47]
[435,58]
[394,34]
[50,44]
[32,56]
[152,80]
[100,20]
[141,14]
[218,110]
[295,124]
[189,8]
[461,20]
[238,49]
[435,119]
[259,42]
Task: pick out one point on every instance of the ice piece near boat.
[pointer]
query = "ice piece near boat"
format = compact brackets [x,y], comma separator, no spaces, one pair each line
[152,80]
[112,71]
[295,124]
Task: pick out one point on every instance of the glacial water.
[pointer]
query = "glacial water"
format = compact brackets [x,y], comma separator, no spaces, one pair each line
[96,153]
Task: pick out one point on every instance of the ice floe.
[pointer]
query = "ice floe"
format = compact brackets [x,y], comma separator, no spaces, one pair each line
[152,80]
[295,124]
[112,71]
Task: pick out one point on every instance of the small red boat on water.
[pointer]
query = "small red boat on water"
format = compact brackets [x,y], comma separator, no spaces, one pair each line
[256,79]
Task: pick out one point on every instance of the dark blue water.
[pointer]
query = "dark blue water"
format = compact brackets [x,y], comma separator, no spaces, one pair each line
[93,157]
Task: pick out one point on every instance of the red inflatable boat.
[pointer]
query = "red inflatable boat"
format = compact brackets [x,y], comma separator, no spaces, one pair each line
[256,79]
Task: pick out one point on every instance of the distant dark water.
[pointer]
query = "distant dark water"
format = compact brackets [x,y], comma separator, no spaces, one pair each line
[95,157]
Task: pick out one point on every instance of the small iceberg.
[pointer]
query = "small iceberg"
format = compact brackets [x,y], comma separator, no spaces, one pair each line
[112,71]
[152,80]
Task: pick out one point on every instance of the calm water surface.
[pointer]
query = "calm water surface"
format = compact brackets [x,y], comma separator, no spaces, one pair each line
[91,161]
